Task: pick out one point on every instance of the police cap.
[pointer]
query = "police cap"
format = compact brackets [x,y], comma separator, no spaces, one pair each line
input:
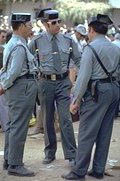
[41,13]
[20,17]
[100,18]
[48,14]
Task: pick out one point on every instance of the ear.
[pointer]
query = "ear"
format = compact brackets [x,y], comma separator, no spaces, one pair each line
[92,30]
[46,25]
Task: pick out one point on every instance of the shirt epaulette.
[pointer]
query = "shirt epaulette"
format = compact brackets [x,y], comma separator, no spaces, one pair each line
[36,37]
[67,36]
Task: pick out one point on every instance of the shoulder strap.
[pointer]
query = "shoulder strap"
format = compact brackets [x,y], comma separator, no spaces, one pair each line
[10,55]
[37,53]
[70,55]
[70,49]
[98,59]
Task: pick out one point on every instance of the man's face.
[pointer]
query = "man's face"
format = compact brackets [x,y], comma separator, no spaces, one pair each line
[53,26]
[79,36]
[3,38]
[27,29]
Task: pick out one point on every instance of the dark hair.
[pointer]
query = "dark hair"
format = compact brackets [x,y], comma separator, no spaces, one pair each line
[9,35]
[15,25]
[99,27]
[2,31]
[1,56]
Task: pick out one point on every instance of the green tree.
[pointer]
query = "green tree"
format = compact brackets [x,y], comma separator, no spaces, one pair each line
[74,10]
[78,11]
[14,1]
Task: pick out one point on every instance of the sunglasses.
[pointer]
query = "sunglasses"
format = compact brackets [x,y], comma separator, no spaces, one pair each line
[55,22]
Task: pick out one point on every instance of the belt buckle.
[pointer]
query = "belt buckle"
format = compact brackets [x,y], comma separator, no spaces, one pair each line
[53,77]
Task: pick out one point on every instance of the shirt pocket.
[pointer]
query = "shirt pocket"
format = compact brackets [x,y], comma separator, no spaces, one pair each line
[65,55]
[44,56]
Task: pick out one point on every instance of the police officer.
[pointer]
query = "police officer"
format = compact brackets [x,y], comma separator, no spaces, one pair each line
[3,106]
[97,111]
[20,88]
[55,84]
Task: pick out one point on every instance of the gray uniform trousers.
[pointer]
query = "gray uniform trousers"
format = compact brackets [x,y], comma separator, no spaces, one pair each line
[96,123]
[3,112]
[50,92]
[21,99]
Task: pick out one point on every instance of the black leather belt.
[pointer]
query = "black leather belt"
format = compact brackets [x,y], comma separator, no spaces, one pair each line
[92,84]
[107,80]
[28,76]
[54,76]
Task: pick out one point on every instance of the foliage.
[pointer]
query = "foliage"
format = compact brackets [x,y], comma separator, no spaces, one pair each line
[74,10]
[14,1]
[80,10]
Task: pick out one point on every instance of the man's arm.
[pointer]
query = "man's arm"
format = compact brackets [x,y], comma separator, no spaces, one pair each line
[84,75]
[17,59]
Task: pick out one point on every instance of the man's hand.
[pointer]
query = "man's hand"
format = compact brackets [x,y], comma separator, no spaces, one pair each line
[74,108]
[1,90]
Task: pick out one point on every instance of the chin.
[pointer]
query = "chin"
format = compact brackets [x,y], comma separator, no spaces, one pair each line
[57,31]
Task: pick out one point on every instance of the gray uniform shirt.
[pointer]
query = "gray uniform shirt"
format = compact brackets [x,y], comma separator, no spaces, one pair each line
[44,46]
[108,53]
[17,61]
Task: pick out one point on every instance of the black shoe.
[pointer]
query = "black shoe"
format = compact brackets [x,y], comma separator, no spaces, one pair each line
[5,165]
[97,175]
[20,171]
[73,176]
[48,160]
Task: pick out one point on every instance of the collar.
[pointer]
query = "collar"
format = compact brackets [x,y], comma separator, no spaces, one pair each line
[50,36]
[23,40]
[99,36]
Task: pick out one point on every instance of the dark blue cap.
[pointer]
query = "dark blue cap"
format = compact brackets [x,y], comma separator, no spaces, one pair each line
[48,14]
[20,17]
[100,18]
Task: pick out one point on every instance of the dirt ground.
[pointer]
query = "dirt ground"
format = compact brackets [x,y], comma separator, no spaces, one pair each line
[34,154]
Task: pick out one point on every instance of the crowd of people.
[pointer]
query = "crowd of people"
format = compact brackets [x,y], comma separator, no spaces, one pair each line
[59,73]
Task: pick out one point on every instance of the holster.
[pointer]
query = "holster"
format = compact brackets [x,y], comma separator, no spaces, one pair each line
[93,87]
